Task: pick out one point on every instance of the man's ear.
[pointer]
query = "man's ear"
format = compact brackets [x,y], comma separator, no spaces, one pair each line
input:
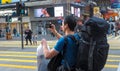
[66,26]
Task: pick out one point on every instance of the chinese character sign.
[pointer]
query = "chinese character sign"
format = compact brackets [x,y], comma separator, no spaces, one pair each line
[6,1]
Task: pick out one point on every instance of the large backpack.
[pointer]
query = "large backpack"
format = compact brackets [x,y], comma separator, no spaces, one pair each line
[93,46]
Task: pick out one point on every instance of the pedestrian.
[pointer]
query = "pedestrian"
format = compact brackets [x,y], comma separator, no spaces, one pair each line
[79,25]
[34,38]
[71,48]
[86,17]
[28,36]
[15,32]
[111,27]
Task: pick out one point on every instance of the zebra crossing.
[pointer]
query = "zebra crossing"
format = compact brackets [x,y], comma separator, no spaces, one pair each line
[28,62]
[111,37]
[18,60]
[14,59]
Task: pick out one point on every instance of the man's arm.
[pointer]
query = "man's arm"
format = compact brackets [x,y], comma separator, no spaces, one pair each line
[58,35]
[48,53]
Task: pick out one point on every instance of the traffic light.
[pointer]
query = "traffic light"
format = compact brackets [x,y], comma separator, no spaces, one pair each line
[20,8]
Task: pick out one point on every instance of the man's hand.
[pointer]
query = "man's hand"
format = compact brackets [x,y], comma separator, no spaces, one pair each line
[52,29]
[43,42]
[47,53]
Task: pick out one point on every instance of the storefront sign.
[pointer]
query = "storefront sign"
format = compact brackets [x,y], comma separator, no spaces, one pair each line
[77,1]
[113,1]
[115,5]
[10,1]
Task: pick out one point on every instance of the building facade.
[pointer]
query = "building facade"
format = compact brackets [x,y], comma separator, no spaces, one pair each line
[34,9]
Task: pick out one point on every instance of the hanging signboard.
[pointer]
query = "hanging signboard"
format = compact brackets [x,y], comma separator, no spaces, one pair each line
[96,10]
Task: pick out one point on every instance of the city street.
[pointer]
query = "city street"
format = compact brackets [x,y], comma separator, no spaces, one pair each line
[13,58]
[22,20]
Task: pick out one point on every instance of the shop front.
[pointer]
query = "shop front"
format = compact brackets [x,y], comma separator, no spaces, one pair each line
[110,15]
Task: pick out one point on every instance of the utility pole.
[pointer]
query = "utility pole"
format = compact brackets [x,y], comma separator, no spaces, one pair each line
[20,18]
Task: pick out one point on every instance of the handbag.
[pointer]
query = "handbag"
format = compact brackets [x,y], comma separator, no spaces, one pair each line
[55,62]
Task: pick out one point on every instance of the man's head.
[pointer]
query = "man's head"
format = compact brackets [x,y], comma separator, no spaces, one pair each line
[79,21]
[69,23]
[43,10]
[27,28]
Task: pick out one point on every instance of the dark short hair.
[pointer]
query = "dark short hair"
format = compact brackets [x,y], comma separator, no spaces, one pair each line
[71,21]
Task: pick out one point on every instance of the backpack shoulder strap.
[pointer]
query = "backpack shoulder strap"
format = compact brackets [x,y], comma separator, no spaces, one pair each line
[65,41]
[74,39]
[90,56]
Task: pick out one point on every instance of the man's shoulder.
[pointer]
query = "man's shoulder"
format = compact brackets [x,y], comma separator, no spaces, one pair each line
[77,35]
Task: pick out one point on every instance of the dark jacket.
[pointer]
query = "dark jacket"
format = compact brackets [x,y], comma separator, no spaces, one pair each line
[28,34]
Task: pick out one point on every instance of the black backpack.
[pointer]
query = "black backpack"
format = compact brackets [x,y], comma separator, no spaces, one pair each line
[92,47]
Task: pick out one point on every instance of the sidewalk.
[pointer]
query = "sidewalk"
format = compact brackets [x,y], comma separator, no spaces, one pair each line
[16,42]
[47,37]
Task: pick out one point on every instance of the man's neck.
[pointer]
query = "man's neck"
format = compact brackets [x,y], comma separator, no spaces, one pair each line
[69,32]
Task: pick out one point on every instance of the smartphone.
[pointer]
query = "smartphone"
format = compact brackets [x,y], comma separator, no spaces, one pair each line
[48,25]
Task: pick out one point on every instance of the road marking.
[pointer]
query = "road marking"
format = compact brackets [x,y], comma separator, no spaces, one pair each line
[17,60]
[117,37]
[29,56]
[16,46]
[114,47]
[15,52]
[111,66]
[20,56]
[110,37]
[18,66]
[34,67]
[115,56]
[118,67]
[34,61]
[18,52]
[113,60]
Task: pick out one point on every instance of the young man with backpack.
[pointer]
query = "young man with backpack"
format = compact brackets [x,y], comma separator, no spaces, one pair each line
[67,50]
[89,51]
